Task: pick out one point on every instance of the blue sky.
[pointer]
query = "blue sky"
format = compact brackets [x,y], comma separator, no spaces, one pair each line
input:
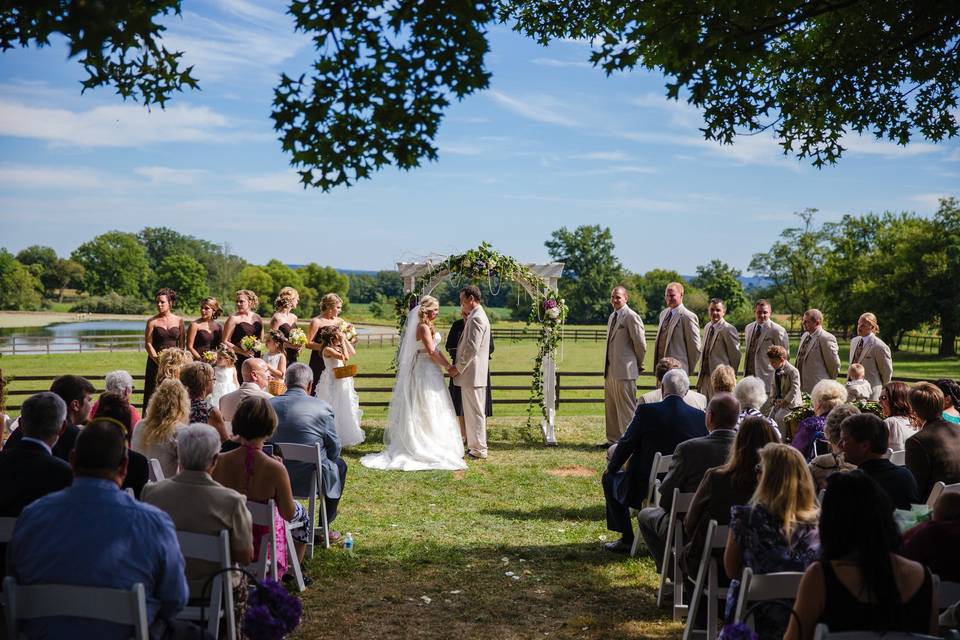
[552,143]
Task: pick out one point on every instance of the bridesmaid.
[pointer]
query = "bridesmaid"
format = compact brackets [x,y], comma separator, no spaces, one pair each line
[284,321]
[205,332]
[244,322]
[330,306]
[164,330]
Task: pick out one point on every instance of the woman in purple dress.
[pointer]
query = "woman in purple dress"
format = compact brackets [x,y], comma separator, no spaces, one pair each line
[242,323]
[164,330]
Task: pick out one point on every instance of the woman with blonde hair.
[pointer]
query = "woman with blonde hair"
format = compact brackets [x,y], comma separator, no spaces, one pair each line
[198,378]
[825,395]
[205,332]
[241,324]
[422,429]
[156,435]
[776,531]
[170,363]
[285,321]
[330,306]
[723,379]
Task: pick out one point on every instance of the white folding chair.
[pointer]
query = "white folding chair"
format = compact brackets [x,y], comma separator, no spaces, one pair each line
[823,633]
[311,454]
[28,602]
[899,458]
[708,578]
[679,507]
[156,471]
[661,464]
[820,495]
[212,548]
[262,514]
[6,529]
[755,587]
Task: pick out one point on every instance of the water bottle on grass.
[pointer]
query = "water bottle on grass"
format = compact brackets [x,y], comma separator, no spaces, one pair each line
[348,543]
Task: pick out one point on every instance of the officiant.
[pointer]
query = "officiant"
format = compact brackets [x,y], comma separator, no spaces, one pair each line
[456,330]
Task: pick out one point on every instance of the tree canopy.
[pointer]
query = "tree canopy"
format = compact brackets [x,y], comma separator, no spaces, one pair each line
[590,270]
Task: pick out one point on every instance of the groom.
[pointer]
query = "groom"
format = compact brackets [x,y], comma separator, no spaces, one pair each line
[469,372]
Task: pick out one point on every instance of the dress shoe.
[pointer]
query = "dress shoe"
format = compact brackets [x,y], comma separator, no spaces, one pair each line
[334,537]
[618,546]
[474,456]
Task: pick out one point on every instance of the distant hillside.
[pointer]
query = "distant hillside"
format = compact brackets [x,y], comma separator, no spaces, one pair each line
[749,282]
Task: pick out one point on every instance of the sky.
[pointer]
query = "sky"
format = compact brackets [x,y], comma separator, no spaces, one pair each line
[552,143]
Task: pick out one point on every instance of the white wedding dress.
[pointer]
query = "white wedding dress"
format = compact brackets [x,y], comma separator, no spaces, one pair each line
[341,395]
[422,430]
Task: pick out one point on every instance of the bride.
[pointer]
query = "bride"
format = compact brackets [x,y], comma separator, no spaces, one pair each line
[422,429]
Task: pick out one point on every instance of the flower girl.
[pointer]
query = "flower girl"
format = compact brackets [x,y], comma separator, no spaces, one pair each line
[339,392]
[275,358]
[225,375]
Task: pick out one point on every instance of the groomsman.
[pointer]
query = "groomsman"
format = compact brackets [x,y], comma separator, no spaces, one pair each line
[678,335]
[721,345]
[784,389]
[869,351]
[759,336]
[818,357]
[626,348]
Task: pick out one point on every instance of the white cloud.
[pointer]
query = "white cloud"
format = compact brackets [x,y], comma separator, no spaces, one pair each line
[459,149]
[679,113]
[869,145]
[169,175]
[553,62]
[539,108]
[279,182]
[931,200]
[611,156]
[33,177]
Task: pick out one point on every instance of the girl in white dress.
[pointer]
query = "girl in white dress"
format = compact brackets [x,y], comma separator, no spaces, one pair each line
[339,392]
[225,375]
[274,357]
[422,429]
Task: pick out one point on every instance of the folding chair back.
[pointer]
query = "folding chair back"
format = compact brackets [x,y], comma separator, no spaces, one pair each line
[755,587]
[661,464]
[33,601]
[262,514]
[948,593]
[899,458]
[311,454]
[156,471]
[679,507]
[708,579]
[212,548]
[6,529]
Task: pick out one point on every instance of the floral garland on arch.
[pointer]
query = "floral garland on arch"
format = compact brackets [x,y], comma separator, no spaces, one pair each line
[547,309]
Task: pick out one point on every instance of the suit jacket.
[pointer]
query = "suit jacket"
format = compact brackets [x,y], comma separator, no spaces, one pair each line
[771,334]
[303,419]
[655,427]
[693,398]
[626,345]
[786,388]
[877,363]
[933,454]
[897,482]
[682,337]
[723,347]
[28,472]
[232,400]
[60,450]
[473,351]
[818,358]
[691,459]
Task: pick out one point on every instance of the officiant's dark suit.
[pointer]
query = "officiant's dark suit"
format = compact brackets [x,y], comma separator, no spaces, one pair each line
[659,426]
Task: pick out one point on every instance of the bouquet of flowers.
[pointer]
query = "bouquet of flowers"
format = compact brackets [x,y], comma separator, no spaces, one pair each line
[251,343]
[554,308]
[349,331]
[209,357]
[297,337]
[272,612]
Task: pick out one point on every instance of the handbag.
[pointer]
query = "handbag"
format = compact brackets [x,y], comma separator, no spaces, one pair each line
[272,611]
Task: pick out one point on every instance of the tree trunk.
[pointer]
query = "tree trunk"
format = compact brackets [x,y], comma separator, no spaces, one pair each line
[948,342]
[60,299]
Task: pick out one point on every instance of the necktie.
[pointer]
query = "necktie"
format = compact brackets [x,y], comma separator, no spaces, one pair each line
[859,351]
[755,339]
[706,349]
[661,336]
[803,348]
[610,325]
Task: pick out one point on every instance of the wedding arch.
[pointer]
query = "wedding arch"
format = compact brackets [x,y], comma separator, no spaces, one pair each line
[547,309]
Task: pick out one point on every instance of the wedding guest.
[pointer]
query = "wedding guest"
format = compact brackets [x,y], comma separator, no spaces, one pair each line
[284,321]
[113,407]
[274,358]
[776,531]
[721,346]
[121,383]
[623,362]
[751,395]
[898,416]
[164,331]
[951,399]
[933,454]
[4,418]
[155,435]
[330,306]
[198,378]
[826,395]
[241,324]
[934,544]
[860,582]
[453,338]
[723,379]
[784,395]
[76,392]
[825,464]
[818,357]
[693,398]
[255,380]
[864,443]
[170,362]
[868,350]
[205,334]
[759,336]
[224,375]
[858,388]
[678,334]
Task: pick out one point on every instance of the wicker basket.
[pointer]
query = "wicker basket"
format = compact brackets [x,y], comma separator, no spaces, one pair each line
[346,371]
[276,387]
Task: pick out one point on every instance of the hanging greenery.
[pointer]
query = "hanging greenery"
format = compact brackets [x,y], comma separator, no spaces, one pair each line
[547,308]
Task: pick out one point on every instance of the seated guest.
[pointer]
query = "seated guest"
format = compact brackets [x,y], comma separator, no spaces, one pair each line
[826,395]
[860,583]
[725,486]
[199,504]
[776,531]
[5,420]
[77,393]
[170,362]
[155,435]
[693,398]
[864,443]
[255,380]
[656,427]
[858,388]
[119,382]
[723,379]
[261,477]
[934,544]
[198,378]
[784,393]
[691,459]
[113,406]
[951,399]
[303,419]
[933,454]
[93,534]
[751,394]
[831,462]
[897,414]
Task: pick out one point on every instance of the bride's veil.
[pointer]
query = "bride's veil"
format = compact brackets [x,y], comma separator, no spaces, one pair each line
[402,385]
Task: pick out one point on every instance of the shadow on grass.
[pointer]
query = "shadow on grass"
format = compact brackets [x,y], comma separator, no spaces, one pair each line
[593,513]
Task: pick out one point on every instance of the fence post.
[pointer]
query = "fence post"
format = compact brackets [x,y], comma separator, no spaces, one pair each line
[13,344]
[556,396]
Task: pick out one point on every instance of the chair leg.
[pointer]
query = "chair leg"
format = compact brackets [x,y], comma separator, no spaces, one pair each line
[712,597]
[326,523]
[216,605]
[679,608]
[668,548]
[294,561]
[228,612]
[636,539]
[312,509]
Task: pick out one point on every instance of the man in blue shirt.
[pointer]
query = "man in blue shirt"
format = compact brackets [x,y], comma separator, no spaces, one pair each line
[94,534]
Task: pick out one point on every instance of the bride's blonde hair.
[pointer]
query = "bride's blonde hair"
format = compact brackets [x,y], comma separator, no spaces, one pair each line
[428,303]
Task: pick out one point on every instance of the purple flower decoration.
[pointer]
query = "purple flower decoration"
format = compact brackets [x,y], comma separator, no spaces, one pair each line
[549,304]
[272,613]
[739,631]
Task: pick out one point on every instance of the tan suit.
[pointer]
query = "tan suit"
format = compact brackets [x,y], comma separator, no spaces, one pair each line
[626,348]
[876,361]
[679,338]
[232,400]
[693,398]
[818,358]
[473,362]
[783,395]
[721,345]
[755,362]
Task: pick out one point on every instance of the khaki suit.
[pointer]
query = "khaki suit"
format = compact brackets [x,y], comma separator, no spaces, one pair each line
[230,402]
[721,345]
[876,360]
[818,358]
[473,363]
[784,397]
[769,334]
[626,348]
[692,399]
[680,338]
